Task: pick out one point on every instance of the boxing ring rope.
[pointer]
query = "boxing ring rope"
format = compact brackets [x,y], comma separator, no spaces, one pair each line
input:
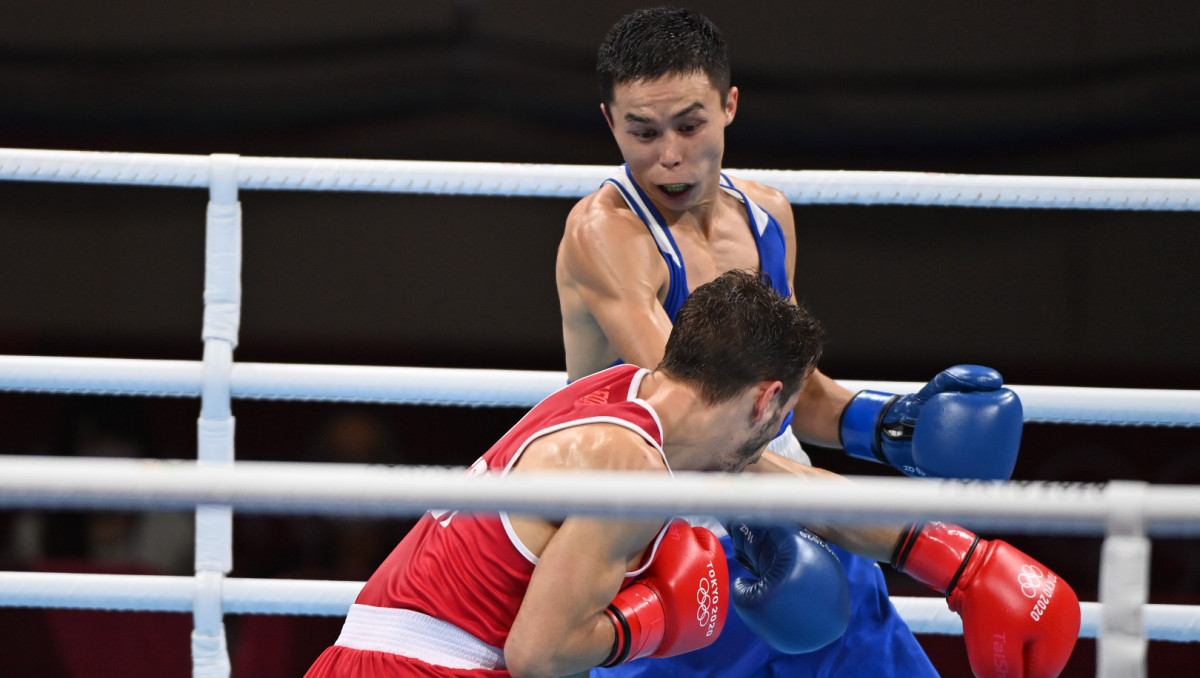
[575,181]
[143,593]
[507,388]
[339,489]
[1126,513]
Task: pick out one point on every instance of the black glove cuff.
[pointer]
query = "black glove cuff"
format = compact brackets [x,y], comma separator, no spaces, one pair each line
[620,647]
[963,567]
[904,549]
[904,546]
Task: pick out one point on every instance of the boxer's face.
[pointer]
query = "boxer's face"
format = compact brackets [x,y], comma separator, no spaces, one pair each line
[671,132]
[749,451]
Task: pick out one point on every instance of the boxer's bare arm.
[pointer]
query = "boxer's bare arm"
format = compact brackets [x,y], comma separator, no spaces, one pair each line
[609,275]
[870,541]
[819,410]
[561,627]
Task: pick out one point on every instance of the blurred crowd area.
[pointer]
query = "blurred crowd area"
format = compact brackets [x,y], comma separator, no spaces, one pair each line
[100,643]
[71,643]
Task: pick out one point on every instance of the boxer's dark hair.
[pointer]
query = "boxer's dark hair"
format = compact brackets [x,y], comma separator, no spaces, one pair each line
[738,331]
[652,43]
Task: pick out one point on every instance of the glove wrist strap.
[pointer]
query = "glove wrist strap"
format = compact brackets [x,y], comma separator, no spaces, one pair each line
[637,619]
[620,647]
[935,554]
[858,428]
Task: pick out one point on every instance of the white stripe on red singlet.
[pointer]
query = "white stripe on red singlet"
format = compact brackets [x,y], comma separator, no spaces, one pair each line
[413,634]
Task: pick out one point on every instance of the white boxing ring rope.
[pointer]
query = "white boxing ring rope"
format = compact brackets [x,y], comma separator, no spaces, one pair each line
[1179,623]
[338,489]
[506,388]
[150,593]
[576,181]
[1127,513]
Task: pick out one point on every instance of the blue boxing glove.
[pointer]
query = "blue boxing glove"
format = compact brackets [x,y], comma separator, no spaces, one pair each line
[800,601]
[962,424]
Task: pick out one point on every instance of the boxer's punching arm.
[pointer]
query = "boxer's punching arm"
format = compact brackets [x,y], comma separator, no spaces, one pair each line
[609,274]
[819,410]
[874,541]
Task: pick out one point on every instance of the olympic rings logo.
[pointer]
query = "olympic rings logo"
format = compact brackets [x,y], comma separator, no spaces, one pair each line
[1030,580]
[704,600]
[707,598]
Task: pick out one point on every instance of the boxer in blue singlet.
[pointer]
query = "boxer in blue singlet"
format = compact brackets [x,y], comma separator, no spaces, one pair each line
[772,262]
[671,218]
[878,642]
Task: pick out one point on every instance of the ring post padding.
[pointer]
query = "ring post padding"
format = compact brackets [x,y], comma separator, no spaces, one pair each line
[214,439]
[223,252]
[210,652]
[206,603]
[215,428]
[1124,584]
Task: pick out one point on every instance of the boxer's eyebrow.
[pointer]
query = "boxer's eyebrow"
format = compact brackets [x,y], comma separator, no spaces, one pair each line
[634,117]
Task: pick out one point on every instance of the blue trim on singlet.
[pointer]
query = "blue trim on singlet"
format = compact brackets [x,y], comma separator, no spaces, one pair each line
[764,227]
[768,237]
[677,290]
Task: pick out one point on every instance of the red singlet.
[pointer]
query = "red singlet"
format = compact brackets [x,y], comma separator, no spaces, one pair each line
[449,592]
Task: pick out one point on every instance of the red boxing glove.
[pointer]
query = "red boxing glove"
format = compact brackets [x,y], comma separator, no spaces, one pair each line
[678,604]
[1020,620]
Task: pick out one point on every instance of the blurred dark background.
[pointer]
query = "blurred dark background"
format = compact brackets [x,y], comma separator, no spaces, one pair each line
[1080,87]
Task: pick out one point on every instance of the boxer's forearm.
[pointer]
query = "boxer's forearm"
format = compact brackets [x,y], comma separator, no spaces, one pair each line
[876,541]
[819,410]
